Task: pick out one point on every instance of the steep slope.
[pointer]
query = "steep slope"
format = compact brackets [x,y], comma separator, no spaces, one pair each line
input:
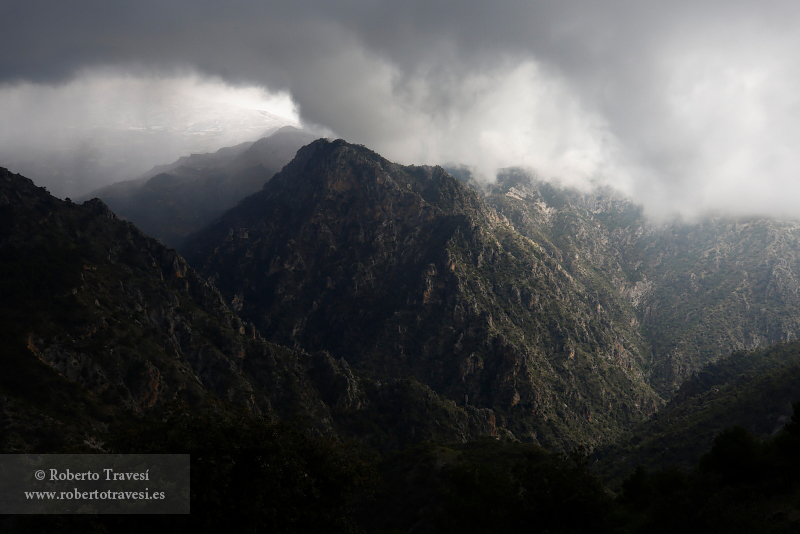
[691,293]
[719,286]
[407,273]
[178,199]
[754,390]
[88,300]
[590,234]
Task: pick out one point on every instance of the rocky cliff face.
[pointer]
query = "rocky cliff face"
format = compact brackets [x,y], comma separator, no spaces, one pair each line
[407,274]
[687,293]
[719,286]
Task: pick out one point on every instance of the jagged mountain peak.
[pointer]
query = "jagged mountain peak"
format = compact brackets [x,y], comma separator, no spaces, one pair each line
[408,273]
[332,171]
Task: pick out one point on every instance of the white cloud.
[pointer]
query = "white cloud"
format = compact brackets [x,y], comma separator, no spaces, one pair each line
[106,125]
[688,106]
[516,113]
[728,129]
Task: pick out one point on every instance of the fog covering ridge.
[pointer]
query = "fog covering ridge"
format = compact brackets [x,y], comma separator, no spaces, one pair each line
[689,107]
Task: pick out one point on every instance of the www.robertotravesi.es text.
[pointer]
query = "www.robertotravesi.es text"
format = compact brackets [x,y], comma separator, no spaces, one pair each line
[95,495]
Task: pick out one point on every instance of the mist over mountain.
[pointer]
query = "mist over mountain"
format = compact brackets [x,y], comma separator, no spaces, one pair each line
[546,279]
[687,108]
[696,291]
[171,201]
[102,129]
[593,307]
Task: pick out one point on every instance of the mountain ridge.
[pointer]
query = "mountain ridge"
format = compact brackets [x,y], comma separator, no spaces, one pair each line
[556,310]
[374,261]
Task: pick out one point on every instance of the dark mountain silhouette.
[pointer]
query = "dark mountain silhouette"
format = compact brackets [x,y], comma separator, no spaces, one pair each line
[174,200]
[90,299]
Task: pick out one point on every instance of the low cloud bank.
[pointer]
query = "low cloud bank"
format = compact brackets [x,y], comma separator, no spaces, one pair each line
[690,107]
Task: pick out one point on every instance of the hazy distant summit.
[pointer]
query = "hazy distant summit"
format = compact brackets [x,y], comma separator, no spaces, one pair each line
[70,161]
[171,201]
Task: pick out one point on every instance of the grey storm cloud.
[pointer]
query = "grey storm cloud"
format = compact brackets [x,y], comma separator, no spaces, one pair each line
[688,106]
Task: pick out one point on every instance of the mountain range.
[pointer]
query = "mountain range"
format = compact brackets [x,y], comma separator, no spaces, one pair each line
[120,323]
[391,305]
[405,272]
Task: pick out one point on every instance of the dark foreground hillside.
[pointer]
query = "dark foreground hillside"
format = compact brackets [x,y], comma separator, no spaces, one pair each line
[248,475]
[753,390]
[100,322]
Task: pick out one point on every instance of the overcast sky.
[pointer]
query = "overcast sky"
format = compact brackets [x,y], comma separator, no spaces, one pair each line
[690,107]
